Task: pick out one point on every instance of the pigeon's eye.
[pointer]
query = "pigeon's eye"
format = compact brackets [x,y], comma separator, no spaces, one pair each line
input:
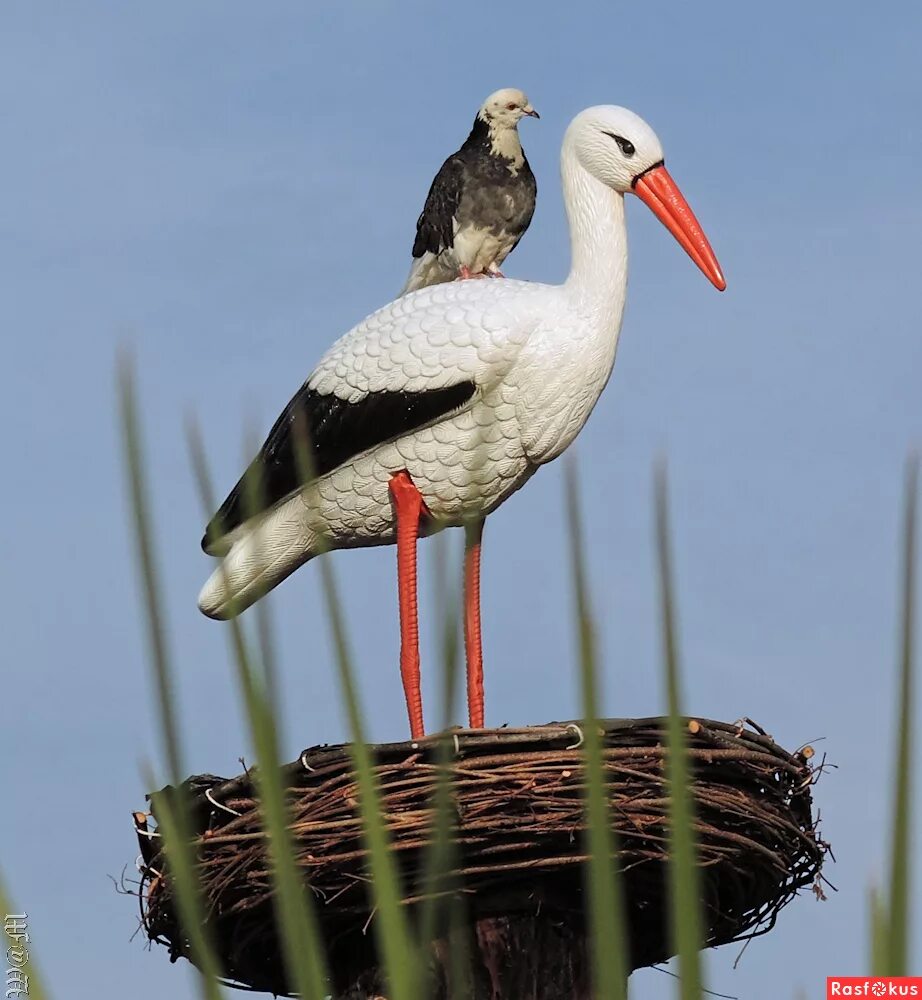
[626,146]
[511,107]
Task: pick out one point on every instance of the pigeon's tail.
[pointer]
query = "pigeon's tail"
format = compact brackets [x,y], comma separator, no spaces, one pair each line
[265,552]
[426,270]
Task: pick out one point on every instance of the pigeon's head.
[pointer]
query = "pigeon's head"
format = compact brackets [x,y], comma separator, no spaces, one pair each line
[621,150]
[506,108]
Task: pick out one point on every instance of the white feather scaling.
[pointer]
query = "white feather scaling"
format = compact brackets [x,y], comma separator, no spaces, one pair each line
[481,201]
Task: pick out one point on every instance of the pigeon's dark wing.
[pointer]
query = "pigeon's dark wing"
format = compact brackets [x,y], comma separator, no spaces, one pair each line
[337,430]
[435,225]
[518,208]
[526,199]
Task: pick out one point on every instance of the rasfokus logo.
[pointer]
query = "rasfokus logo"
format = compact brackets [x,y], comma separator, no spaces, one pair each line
[873,986]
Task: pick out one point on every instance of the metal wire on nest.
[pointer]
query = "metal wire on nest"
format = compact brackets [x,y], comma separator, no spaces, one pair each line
[518,835]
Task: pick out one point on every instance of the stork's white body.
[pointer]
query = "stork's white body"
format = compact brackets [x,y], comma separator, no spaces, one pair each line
[538,355]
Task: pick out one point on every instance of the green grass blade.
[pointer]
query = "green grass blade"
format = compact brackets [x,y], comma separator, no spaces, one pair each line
[461,941]
[35,989]
[685,914]
[301,939]
[390,919]
[440,856]
[879,934]
[447,599]
[173,827]
[900,854]
[265,633]
[602,879]
[177,832]
[150,577]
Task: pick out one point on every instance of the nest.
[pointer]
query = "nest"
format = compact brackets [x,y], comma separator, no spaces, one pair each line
[520,846]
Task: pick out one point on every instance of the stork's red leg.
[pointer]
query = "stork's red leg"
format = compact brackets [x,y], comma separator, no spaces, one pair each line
[409,508]
[473,646]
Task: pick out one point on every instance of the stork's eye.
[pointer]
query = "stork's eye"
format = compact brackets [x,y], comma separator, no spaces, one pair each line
[511,107]
[626,146]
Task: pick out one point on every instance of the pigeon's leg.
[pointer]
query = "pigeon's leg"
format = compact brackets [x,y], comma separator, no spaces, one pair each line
[464,272]
[473,647]
[495,272]
[409,508]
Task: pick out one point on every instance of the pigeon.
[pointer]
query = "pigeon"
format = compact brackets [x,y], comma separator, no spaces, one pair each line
[481,201]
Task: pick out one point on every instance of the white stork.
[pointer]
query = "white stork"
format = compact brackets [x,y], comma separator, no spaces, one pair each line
[439,406]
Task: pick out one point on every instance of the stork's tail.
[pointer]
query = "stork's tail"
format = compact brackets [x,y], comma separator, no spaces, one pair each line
[259,560]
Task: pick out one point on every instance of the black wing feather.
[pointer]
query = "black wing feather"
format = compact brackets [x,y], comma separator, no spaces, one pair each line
[337,432]
[435,230]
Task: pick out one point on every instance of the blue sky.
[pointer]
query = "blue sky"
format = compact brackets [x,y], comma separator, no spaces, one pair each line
[227,187]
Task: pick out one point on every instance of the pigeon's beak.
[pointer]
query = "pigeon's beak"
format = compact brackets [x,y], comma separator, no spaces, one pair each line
[660,193]
[530,111]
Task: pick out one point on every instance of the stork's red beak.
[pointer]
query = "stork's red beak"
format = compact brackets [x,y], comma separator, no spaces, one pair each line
[660,193]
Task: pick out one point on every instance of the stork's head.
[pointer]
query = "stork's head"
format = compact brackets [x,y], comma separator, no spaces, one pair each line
[623,152]
[506,108]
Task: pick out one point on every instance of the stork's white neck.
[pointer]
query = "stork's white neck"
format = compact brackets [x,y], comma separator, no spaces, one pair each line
[598,241]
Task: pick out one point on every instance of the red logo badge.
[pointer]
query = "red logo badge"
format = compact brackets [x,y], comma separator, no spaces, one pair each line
[873,986]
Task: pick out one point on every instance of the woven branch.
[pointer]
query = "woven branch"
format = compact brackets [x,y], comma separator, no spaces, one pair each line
[519,842]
